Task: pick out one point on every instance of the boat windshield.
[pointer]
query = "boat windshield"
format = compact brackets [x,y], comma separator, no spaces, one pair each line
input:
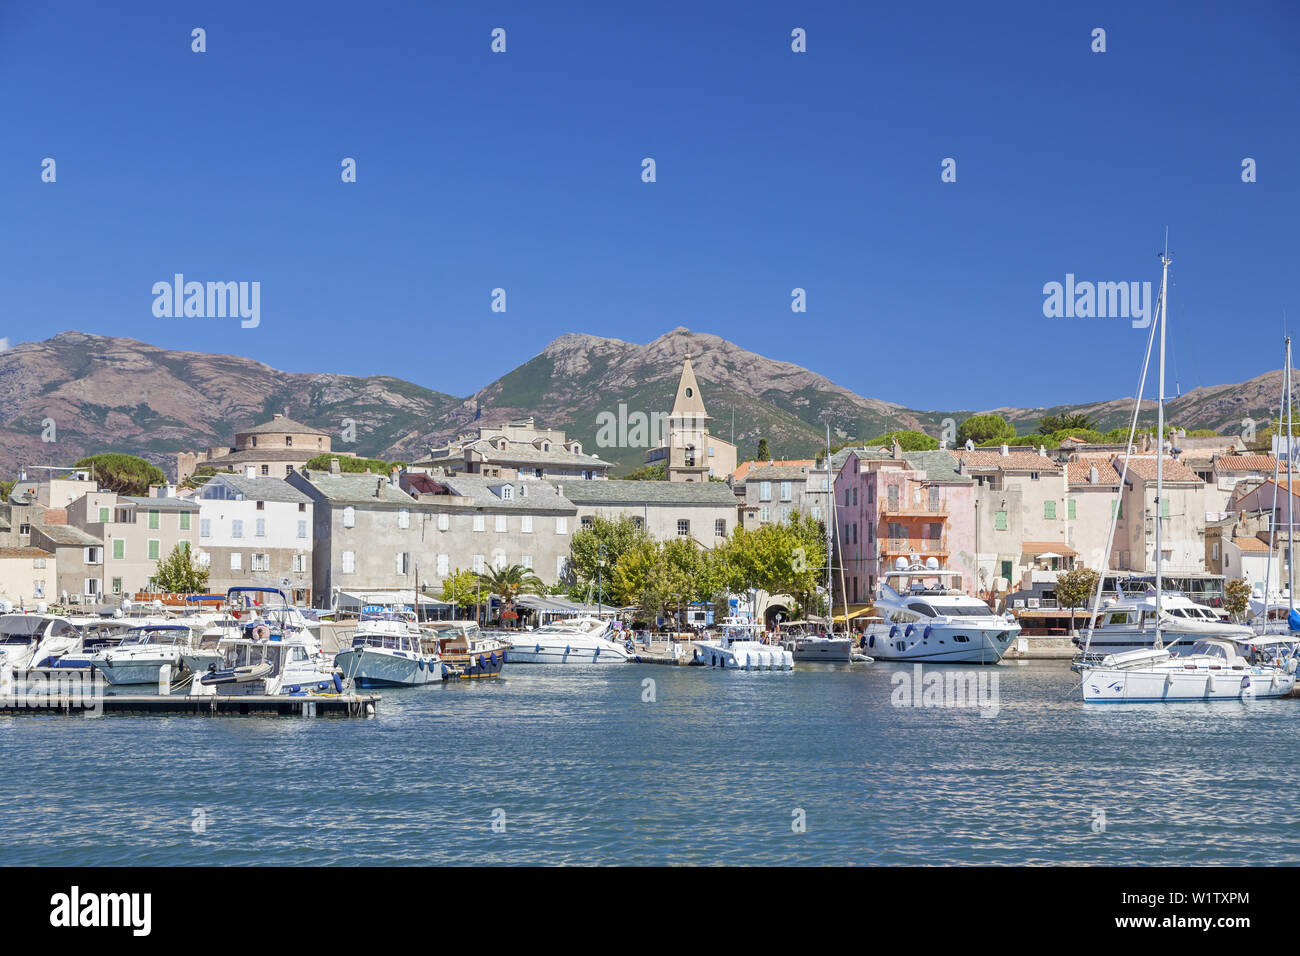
[157,635]
[387,641]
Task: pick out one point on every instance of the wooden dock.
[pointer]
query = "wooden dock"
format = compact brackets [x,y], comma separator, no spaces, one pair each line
[304,705]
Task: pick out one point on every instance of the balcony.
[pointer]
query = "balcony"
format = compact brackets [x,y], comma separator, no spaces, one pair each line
[902,509]
[905,547]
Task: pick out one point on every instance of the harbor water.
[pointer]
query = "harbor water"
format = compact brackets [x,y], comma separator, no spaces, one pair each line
[573,765]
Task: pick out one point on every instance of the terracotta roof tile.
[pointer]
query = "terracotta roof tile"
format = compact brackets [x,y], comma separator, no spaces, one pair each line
[1012,461]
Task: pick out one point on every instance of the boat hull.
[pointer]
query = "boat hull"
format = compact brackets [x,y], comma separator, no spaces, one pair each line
[1116,685]
[940,644]
[829,652]
[744,655]
[136,670]
[375,667]
[467,666]
[522,652]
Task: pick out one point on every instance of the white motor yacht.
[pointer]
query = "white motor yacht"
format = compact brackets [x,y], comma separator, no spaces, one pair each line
[926,620]
[36,640]
[578,640]
[142,654]
[737,647]
[807,645]
[1129,624]
[389,647]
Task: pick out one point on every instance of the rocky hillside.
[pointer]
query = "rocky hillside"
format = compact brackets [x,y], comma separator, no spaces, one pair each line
[105,393]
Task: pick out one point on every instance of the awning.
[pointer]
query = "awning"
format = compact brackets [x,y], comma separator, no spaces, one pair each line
[359,599]
[554,604]
[855,611]
[1043,548]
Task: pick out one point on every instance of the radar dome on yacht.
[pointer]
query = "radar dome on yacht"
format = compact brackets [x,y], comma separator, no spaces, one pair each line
[126,604]
[932,564]
[900,564]
[42,607]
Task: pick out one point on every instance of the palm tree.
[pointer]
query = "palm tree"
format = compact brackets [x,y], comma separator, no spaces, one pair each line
[1066,421]
[509,582]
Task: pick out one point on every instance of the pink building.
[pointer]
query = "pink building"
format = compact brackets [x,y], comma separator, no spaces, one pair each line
[901,505]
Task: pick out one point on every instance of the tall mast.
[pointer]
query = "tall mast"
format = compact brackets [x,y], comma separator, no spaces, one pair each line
[830,540]
[1160,436]
[1290,492]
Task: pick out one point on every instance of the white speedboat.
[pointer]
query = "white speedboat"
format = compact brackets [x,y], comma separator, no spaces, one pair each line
[142,654]
[1130,625]
[266,665]
[737,647]
[252,615]
[579,640]
[1212,670]
[389,647]
[36,640]
[934,622]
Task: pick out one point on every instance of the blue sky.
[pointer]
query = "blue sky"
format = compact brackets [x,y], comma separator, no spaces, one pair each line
[775,170]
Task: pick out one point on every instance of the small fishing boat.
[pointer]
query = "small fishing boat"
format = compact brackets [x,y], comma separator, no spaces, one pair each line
[389,647]
[577,640]
[737,647]
[805,644]
[467,652]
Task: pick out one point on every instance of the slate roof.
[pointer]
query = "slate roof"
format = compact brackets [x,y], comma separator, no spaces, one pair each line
[782,473]
[282,424]
[162,504]
[264,454]
[526,496]
[260,488]
[356,488]
[62,535]
[517,452]
[938,465]
[618,492]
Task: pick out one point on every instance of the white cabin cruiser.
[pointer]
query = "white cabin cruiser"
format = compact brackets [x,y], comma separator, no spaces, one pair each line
[934,622]
[389,647]
[271,665]
[578,640]
[1212,669]
[737,647]
[140,656]
[807,645]
[260,614]
[36,640]
[1130,625]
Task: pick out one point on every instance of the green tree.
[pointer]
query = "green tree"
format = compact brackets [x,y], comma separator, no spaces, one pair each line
[124,474]
[982,429]
[6,489]
[617,536]
[1076,588]
[349,465]
[1236,598]
[908,440]
[509,582]
[786,558]
[179,574]
[657,472]
[460,588]
[1064,421]
[764,453]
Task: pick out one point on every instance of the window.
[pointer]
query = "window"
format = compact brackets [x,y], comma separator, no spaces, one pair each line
[153,520]
[816,512]
[236,561]
[155,546]
[765,514]
[302,529]
[266,469]
[785,513]
[587,521]
[261,506]
[638,522]
[300,562]
[302,506]
[117,585]
[999,521]
[349,517]
[1113,506]
[1049,509]
[526,524]
[1033,476]
[785,491]
[288,470]
[236,528]
[261,562]
[498,559]
[527,561]
[261,527]
[478,522]
[119,550]
[507,493]
[1070,509]
[444,565]
[92,586]
[561,525]
[184,546]
[205,559]
[690,456]
[501,523]
[764,491]
[103,515]
[349,562]
[683,528]
[720,527]
[478,564]
[403,517]
[402,563]
[93,556]
[288,441]
[205,527]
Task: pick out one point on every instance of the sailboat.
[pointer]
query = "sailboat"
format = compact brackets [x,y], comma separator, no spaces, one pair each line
[1214,669]
[1267,607]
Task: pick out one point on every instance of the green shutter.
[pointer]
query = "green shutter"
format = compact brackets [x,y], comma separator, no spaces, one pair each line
[185,521]
[103,515]
[1164,507]
[999,521]
[153,521]
[119,549]
[1049,509]
[1070,508]
[153,549]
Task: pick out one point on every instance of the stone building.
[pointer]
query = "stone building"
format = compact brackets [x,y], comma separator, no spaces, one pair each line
[516,450]
[272,449]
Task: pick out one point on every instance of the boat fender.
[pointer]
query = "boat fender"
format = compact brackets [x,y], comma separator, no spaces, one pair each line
[492,658]
[338,683]
[871,641]
[295,689]
[908,632]
[261,632]
[323,685]
[893,631]
[926,632]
